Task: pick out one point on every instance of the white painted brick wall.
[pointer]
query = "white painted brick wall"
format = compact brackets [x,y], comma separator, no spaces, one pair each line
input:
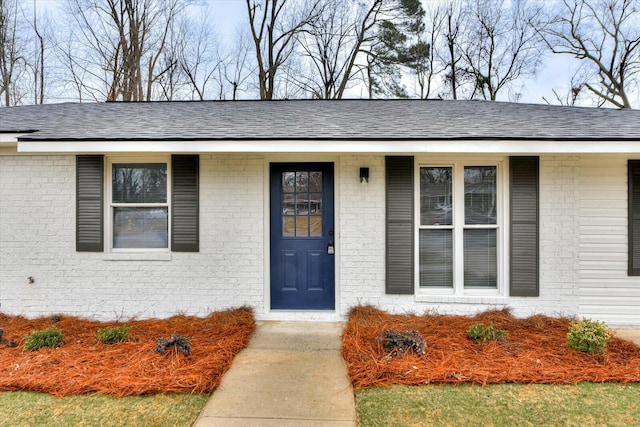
[362,215]
[37,238]
[559,239]
[362,236]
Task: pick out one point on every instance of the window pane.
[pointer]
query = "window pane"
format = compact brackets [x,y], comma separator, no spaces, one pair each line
[315,181]
[480,260]
[302,181]
[480,195]
[435,196]
[315,210]
[315,226]
[288,182]
[302,226]
[288,205]
[140,183]
[436,258]
[140,228]
[288,226]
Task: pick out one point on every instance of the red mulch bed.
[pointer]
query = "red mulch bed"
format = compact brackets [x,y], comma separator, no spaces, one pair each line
[535,351]
[81,365]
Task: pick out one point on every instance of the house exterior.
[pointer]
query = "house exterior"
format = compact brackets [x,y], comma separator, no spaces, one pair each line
[303,209]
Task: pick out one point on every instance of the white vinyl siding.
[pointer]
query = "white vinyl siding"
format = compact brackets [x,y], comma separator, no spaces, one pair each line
[606,291]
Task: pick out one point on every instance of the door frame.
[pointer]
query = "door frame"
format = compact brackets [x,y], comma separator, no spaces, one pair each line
[296,158]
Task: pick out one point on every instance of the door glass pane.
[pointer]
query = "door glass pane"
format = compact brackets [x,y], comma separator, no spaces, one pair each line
[315,182]
[302,181]
[436,206]
[139,183]
[302,226]
[480,195]
[302,204]
[436,258]
[288,182]
[315,213]
[480,258]
[140,228]
[315,226]
[288,204]
[288,226]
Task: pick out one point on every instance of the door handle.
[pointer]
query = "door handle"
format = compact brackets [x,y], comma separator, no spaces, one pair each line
[331,249]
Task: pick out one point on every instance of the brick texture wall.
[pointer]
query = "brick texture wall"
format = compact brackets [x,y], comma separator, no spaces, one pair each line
[37,239]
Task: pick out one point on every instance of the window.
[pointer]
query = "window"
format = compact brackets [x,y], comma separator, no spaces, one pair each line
[152,204]
[301,204]
[459,227]
[139,205]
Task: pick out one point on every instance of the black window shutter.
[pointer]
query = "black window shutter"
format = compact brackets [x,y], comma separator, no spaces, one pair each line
[89,203]
[634,217]
[399,225]
[524,209]
[184,203]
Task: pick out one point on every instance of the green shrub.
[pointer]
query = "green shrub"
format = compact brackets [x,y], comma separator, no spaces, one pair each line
[113,335]
[36,340]
[589,336]
[479,333]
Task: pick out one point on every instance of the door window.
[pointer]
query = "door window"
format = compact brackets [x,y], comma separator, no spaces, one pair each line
[301,204]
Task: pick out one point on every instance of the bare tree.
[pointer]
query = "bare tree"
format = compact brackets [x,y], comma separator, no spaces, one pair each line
[605,35]
[570,97]
[427,66]
[447,50]
[118,44]
[332,44]
[200,58]
[191,60]
[13,63]
[237,69]
[274,25]
[500,45]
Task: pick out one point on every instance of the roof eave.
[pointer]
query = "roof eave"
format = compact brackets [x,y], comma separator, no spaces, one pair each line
[373,146]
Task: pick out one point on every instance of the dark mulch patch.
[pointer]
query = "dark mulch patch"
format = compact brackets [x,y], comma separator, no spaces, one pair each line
[534,351]
[81,365]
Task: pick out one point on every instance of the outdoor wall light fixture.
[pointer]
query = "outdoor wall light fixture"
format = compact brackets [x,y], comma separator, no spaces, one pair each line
[364,175]
[30,279]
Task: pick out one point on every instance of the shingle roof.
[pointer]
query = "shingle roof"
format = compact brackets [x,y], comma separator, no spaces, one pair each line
[313,119]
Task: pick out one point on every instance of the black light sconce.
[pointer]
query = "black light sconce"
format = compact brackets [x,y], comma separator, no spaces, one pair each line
[364,175]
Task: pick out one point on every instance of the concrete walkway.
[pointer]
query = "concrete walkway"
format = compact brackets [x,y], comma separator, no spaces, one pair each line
[632,335]
[290,374]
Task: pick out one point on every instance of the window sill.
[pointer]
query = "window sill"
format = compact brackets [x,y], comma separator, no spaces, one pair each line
[137,256]
[462,299]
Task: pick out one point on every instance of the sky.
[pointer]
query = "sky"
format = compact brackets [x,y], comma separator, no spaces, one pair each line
[554,73]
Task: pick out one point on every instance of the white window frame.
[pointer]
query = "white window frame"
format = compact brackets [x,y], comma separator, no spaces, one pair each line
[110,205]
[458,226]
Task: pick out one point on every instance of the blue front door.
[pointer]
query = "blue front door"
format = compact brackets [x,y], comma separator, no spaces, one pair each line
[302,236]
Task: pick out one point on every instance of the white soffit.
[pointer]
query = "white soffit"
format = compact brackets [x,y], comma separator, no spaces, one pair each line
[332,146]
[9,139]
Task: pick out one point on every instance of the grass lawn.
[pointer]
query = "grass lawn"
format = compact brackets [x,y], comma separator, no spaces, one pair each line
[39,409]
[584,404]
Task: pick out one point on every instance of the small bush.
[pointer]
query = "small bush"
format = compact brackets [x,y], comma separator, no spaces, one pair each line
[113,335]
[588,336]
[36,340]
[479,333]
[180,343]
[396,343]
